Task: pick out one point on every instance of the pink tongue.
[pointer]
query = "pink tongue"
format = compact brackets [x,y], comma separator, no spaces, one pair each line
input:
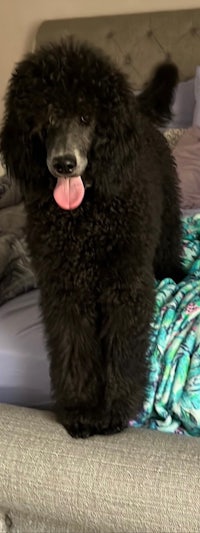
[69,192]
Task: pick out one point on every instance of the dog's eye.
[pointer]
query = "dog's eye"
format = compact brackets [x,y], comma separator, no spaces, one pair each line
[85,119]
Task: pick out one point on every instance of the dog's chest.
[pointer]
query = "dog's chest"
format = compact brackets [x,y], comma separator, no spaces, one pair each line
[79,244]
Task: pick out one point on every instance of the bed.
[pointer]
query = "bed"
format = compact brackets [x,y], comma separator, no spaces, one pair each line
[137,43]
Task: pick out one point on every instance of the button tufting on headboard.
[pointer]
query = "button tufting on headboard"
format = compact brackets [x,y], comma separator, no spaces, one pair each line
[195,31]
[110,35]
[127,59]
[137,41]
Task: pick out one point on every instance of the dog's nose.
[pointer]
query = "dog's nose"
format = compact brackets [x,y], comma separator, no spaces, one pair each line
[64,164]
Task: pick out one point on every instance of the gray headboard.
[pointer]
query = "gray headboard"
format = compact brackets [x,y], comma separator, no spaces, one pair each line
[137,41]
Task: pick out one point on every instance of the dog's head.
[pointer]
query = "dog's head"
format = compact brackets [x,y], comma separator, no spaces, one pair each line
[69,117]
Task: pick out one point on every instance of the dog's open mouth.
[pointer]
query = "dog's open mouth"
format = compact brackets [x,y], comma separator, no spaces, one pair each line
[69,192]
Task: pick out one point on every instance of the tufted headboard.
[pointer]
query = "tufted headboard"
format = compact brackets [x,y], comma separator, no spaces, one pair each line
[137,41]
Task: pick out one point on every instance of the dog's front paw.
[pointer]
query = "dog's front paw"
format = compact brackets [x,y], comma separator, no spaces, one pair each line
[83,431]
[115,424]
[78,424]
[78,430]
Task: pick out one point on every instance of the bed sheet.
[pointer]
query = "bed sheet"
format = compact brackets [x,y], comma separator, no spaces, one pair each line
[24,374]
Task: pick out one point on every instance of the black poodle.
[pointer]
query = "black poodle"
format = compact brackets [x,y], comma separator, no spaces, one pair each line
[102,200]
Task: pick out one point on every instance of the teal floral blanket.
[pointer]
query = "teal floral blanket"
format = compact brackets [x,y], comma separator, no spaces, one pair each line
[172,401]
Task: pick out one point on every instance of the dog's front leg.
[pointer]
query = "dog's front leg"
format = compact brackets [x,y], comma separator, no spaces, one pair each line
[76,369]
[127,314]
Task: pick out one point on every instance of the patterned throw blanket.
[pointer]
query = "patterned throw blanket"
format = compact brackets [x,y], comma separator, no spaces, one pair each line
[173,394]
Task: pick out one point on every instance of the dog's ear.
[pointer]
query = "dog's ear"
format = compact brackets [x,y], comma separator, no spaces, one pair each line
[14,147]
[23,155]
[17,151]
[115,149]
[17,142]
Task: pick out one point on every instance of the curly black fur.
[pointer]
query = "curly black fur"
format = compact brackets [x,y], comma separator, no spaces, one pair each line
[156,99]
[95,265]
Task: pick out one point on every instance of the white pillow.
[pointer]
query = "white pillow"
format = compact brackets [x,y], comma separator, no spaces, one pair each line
[183,105]
[196,117]
[187,157]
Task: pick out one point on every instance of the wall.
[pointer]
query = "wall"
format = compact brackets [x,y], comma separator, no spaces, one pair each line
[20,18]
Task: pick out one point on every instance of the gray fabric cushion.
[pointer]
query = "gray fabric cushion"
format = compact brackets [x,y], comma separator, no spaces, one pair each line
[135,482]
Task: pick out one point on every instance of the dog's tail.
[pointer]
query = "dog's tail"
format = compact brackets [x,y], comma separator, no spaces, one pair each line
[156,99]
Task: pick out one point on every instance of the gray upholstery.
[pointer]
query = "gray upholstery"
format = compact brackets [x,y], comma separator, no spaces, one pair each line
[138,41]
[136,482]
